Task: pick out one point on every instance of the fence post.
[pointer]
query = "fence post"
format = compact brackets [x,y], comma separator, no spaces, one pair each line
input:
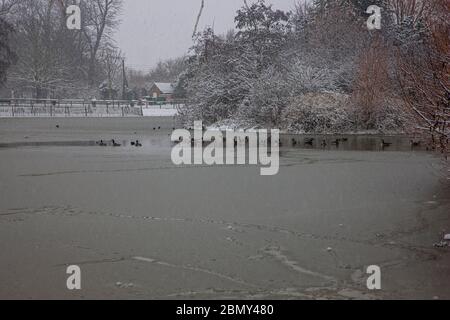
[85,109]
[12,108]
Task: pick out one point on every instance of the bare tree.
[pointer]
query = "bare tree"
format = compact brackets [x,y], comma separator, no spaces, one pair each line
[409,9]
[7,6]
[7,56]
[111,61]
[100,19]
[423,72]
[43,64]
[202,5]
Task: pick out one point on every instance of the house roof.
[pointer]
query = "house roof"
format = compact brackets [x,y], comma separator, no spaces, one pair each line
[165,88]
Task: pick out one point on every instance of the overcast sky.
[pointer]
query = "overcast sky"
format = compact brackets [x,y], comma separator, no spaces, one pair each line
[154,30]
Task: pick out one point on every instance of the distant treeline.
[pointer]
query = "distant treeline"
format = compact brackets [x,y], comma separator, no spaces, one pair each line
[47,60]
[41,58]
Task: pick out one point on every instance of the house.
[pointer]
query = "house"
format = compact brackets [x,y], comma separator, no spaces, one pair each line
[161,91]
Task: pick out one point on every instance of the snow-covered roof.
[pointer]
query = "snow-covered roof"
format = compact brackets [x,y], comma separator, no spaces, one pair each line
[165,88]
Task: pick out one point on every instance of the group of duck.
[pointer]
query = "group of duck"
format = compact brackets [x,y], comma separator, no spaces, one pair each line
[323,143]
[204,142]
[236,141]
[413,143]
[113,143]
[384,144]
[307,142]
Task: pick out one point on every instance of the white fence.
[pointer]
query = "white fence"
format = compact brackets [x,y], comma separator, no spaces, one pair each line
[83,108]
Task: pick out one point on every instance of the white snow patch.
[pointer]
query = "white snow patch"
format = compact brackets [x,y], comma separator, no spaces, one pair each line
[159,112]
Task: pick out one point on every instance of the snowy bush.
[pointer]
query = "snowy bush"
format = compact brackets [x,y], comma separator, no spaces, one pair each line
[318,113]
[302,78]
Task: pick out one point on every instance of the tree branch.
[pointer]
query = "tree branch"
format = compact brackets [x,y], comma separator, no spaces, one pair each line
[202,5]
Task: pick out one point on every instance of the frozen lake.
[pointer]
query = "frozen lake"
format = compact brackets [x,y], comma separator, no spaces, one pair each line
[141,228]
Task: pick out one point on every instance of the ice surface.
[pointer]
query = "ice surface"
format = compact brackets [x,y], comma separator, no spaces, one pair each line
[129,216]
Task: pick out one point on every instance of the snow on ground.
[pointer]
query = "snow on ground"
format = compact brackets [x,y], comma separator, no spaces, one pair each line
[163,111]
[151,112]
[230,125]
[243,125]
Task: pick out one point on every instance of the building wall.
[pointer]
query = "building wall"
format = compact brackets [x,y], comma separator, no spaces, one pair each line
[154,92]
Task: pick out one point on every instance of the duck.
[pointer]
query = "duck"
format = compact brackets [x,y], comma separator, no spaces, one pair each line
[344,139]
[57,126]
[133,143]
[324,143]
[115,144]
[101,143]
[335,142]
[385,144]
[138,144]
[309,141]
[159,128]
[415,143]
[294,142]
